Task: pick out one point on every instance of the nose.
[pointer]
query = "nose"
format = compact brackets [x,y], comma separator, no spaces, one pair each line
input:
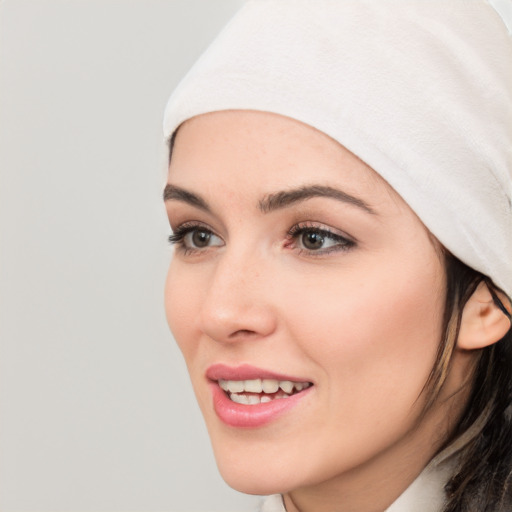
[238,302]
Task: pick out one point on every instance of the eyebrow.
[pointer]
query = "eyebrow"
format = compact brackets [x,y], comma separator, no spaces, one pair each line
[274,201]
[286,198]
[172,192]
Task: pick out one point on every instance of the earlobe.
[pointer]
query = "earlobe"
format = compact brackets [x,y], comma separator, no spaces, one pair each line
[483,321]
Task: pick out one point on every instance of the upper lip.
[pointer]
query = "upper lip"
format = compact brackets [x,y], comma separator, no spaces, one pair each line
[221,371]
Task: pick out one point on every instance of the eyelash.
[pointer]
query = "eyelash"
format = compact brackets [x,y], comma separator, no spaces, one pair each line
[342,243]
[178,236]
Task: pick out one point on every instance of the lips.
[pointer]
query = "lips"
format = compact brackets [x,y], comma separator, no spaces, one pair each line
[246,396]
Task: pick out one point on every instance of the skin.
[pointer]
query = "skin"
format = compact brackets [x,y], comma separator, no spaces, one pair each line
[361,321]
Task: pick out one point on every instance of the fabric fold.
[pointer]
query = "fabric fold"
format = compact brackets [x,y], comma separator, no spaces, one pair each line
[421,91]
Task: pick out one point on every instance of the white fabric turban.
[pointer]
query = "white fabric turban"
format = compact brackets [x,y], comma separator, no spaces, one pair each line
[421,90]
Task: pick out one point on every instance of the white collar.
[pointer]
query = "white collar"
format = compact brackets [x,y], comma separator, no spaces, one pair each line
[425,493]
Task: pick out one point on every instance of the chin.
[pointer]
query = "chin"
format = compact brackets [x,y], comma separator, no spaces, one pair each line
[264,467]
[253,482]
[254,468]
[254,487]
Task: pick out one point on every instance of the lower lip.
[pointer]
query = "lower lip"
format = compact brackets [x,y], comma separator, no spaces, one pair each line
[252,416]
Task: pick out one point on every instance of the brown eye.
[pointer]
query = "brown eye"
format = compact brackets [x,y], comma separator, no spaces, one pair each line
[194,238]
[312,240]
[200,238]
[318,241]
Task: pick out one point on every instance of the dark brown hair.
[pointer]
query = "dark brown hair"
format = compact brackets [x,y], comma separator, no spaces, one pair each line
[482,481]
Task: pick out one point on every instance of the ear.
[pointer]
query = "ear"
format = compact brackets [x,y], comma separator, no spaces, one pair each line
[483,322]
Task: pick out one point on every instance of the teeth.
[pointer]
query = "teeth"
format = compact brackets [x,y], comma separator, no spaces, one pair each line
[233,386]
[280,389]
[270,385]
[252,386]
[256,399]
[286,386]
[239,399]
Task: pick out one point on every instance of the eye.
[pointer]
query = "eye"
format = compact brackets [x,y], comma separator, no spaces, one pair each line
[198,238]
[313,239]
[193,237]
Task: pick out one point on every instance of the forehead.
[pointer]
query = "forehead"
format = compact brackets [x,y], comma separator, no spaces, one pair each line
[260,151]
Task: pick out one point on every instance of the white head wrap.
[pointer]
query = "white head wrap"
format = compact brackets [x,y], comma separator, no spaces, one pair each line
[419,90]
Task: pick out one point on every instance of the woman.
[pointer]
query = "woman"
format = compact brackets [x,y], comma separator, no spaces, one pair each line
[339,192]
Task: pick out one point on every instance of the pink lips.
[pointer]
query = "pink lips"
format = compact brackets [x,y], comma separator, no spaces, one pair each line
[249,416]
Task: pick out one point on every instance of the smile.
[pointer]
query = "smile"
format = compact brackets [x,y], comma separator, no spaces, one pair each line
[260,391]
[249,397]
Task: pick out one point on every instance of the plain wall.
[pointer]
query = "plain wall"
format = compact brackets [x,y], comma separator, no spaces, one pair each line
[97,413]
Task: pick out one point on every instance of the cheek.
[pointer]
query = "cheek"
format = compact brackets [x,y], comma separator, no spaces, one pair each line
[181,302]
[183,296]
[374,333]
[373,343]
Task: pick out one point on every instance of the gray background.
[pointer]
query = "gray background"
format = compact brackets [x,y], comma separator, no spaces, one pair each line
[96,409]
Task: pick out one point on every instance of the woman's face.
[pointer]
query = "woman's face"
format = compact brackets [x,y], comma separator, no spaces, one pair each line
[297,266]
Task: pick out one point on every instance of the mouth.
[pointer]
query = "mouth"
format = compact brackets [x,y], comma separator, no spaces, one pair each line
[249,397]
[260,391]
